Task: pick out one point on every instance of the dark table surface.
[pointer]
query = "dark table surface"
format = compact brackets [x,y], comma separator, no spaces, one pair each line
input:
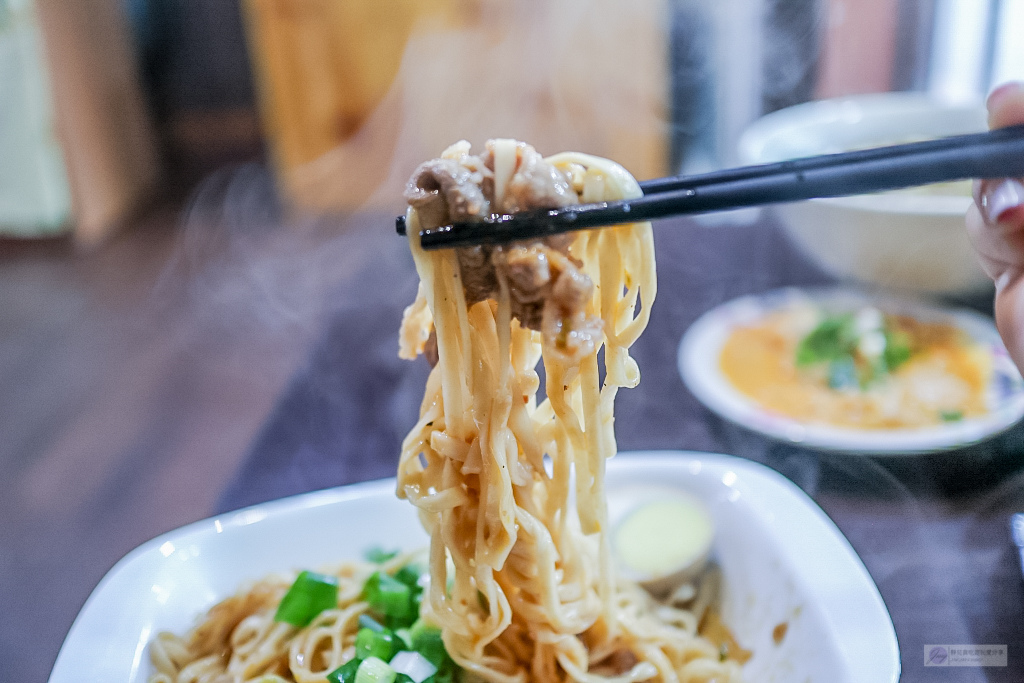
[932,530]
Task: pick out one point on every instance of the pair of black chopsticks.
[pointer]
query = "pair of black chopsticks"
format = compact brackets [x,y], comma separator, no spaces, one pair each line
[995,154]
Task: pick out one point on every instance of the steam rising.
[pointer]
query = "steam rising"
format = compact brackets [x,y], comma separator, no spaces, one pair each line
[591,75]
[586,75]
[577,74]
[248,265]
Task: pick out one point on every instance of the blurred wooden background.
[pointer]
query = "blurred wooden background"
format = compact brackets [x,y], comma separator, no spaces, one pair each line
[353,95]
[101,115]
[347,97]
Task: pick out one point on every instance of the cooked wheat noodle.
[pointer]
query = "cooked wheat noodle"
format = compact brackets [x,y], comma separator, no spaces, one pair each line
[238,639]
[522,580]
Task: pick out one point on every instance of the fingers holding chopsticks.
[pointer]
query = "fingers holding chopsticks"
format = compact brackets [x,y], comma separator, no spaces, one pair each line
[1006,105]
[998,198]
[996,226]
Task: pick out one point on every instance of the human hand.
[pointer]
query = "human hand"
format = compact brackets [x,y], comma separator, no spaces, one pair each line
[995,224]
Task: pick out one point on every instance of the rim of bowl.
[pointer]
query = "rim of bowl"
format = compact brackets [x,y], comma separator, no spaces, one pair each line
[920,205]
[851,110]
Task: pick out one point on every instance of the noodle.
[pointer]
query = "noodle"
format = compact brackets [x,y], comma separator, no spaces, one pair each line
[240,640]
[509,486]
[522,580]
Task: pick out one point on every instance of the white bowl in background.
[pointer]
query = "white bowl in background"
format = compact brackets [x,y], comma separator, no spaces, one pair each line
[782,561]
[913,241]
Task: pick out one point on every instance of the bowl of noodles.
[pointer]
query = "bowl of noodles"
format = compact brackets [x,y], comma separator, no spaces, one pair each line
[784,566]
[912,239]
[506,493]
[841,370]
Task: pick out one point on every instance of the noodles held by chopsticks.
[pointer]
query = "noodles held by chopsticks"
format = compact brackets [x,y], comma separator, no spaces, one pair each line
[522,580]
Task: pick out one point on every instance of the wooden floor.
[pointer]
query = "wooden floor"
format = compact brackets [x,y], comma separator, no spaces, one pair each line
[133,381]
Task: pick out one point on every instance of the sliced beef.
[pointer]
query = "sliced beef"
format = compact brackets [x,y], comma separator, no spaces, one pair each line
[548,290]
[444,190]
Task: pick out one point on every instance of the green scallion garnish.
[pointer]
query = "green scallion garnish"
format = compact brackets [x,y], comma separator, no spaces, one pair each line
[406,638]
[310,595]
[378,555]
[366,621]
[833,338]
[897,348]
[380,644]
[346,673]
[391,598]
[374,670]
[427,641]
[445,674]
[410,575]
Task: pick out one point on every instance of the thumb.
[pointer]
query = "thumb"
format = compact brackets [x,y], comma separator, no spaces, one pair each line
[1006,105]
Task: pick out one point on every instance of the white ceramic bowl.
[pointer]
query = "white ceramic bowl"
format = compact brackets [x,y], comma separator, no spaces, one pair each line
[782,560]
[914,242]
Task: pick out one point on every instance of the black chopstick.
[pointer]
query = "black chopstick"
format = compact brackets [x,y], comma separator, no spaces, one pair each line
[998,153]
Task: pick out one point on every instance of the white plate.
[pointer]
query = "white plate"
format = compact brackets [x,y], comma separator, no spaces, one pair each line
[782,559]
[702,344]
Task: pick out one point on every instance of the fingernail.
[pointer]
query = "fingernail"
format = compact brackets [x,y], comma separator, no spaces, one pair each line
[1000,199]
[1003,92]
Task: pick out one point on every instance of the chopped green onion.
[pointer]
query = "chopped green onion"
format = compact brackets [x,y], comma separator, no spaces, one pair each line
[422,629]
[374,670]
[379,644]
[390,597]
[427,641]
[446,674]
[410,575]
[402,678]
[951,415]
[346,673]
[310,595]
[834,337]
[405,637]
[366,621]
[839,341]
[378,555]
[897,349]
[414,665]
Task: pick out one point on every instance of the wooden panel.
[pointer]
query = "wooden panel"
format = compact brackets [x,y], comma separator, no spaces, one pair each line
[102,120]
[354,94]
[324,65]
